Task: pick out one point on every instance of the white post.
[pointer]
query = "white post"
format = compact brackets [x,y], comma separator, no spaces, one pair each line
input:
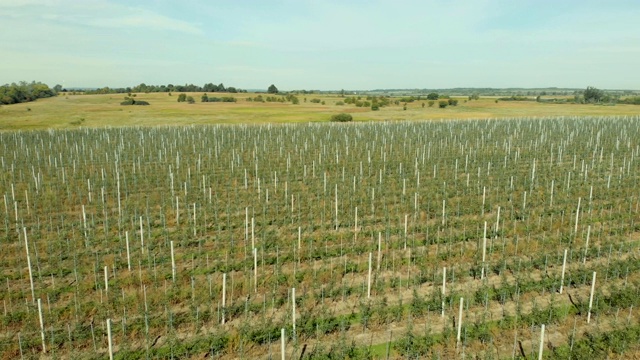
[253,232]
[484,249]
[369,278]
[26,244]
[541,342]
[586,245]
[255,270]
[44,346]
[282,343]
[593,288]
[459,322]
[355,228]
[110,339]
[106,279]
[126,236]
[336,206]
[379,250]
[224,294]
[141,237]
[293,309]
[444,280]
[575,230]
[173,263]
[564,266]
[177,211]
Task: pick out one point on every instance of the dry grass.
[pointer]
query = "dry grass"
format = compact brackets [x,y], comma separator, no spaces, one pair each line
[68,111]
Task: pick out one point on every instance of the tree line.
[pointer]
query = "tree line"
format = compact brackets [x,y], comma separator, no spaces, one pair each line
[24,92]
[144,88]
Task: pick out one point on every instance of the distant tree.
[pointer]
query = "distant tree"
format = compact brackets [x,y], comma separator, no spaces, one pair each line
[443,104]
[432,96]
[593,95]
[191,100]
[57,88]
[453,102]
[204,98]
[272,89]
[342,117]
[182,97]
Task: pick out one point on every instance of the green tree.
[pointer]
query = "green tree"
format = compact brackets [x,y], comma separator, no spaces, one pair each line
[432,96]
[443,104]
[272,89]
[204,98]
[593,95]
[190,99]
[182,97]
[342,117]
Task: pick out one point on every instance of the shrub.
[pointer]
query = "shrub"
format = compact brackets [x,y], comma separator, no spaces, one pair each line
[339,103]
[342,117]
[453,102]
[182,97]
[191,100]
[431,102]
[316,101]
[375,107]
[443,104]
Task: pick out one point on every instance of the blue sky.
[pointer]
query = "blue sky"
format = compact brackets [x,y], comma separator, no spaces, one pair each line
[328,44]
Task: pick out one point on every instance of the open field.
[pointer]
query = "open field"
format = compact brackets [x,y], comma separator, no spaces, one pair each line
[71,111]
[402,239]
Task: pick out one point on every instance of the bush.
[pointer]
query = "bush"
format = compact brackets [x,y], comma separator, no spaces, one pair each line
[131,101]
[431,102]
[342,117]
[191,100]
[316,101]
[182,97]
[453,102]
[443,104]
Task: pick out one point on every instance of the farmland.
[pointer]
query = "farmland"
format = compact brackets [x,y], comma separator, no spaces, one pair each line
[68,111]
[400,239]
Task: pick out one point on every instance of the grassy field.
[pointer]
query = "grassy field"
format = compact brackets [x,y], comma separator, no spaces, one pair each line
[69,111]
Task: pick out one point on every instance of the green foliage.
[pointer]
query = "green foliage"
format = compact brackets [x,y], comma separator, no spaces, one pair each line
[272,89]
[432,96]
[316,101]
[342,117]
[453,102]
[182,97]
[204,98]
[24,92]
[191,100]
[431,102]
[593,95]
[443,104]
[132,101]
[474,97]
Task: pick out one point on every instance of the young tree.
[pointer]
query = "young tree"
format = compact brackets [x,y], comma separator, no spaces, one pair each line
[182,97]
[593,95]
[272,89]
[432,96]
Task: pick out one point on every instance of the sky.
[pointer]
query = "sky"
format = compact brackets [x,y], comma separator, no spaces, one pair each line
[322,44]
